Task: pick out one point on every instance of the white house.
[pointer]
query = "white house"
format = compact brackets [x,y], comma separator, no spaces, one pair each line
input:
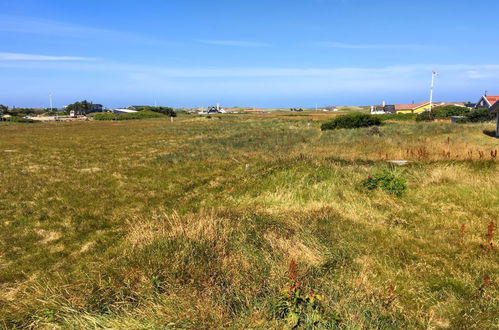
[122,111]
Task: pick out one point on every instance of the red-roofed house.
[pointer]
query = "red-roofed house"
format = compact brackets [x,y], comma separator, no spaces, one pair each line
[412,108]
[487,101]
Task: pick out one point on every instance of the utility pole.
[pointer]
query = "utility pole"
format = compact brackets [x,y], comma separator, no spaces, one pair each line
[433,74]
[50,101]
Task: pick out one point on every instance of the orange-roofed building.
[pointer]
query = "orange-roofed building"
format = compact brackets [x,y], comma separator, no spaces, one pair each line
[487,101]
[412,108]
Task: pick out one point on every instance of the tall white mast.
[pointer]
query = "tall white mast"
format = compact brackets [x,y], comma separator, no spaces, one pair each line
[433,74]
[50,101]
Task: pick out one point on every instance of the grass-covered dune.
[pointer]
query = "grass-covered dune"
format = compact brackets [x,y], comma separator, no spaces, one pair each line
[194,224]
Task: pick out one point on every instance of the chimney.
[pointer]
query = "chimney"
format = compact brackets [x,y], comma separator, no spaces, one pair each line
[384,103]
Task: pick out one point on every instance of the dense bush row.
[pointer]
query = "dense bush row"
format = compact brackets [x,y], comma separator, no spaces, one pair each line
[447,111]
[164,110]
[469,116]
[351,120]
[21,120]
[397,116]
[128,116]
[478,116]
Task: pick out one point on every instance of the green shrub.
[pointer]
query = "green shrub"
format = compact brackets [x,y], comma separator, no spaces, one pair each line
[425,116]
[447,111]
[104,116]
[351,120]
[128,116]
[386,181]
[21,120]
[478,116]
[397,116]
[164,110]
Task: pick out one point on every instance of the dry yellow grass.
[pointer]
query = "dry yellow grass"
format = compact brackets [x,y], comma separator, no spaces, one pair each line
[149,224]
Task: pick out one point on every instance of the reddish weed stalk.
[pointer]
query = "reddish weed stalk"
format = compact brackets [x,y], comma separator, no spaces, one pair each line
[490,234]
[462,230]
[391,295]
[485,284]
[293,276]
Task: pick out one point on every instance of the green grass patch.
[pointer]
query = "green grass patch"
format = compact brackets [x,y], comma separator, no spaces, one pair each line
[146,114]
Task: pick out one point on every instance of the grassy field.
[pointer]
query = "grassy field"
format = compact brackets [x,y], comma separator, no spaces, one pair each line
[193,224]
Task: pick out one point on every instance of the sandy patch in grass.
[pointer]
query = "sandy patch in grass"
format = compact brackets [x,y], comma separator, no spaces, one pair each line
[195,226]
[48,236]
[295,249]
[87,246]
[90,170]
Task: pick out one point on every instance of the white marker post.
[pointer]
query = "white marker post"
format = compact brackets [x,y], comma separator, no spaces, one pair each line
[433,74]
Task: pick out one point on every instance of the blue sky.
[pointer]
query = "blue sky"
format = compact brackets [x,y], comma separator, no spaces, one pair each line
[262,53]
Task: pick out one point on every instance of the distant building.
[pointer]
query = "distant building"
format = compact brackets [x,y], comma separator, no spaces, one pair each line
[487,101]
[457,104]
[382,109]
[122,111]
[412,108]
[425,106]
[212,110]
[95,108]
[136,107]
[254,110]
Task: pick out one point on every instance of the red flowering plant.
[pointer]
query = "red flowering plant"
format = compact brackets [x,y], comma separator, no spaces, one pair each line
[298,307]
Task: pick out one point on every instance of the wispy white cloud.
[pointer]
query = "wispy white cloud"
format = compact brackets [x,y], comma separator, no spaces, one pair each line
[341,45]
[37,26]
[127,83]
[339,74]
[234,43]
[36,57]
[379,82]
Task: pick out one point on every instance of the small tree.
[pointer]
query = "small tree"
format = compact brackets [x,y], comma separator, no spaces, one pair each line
[80,108]
[3,109]
[425,116]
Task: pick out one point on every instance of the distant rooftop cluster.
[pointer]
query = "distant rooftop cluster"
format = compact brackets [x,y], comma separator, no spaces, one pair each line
[486,101]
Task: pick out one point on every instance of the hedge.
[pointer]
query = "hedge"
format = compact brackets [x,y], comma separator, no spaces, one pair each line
[351,120]
[128,116]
